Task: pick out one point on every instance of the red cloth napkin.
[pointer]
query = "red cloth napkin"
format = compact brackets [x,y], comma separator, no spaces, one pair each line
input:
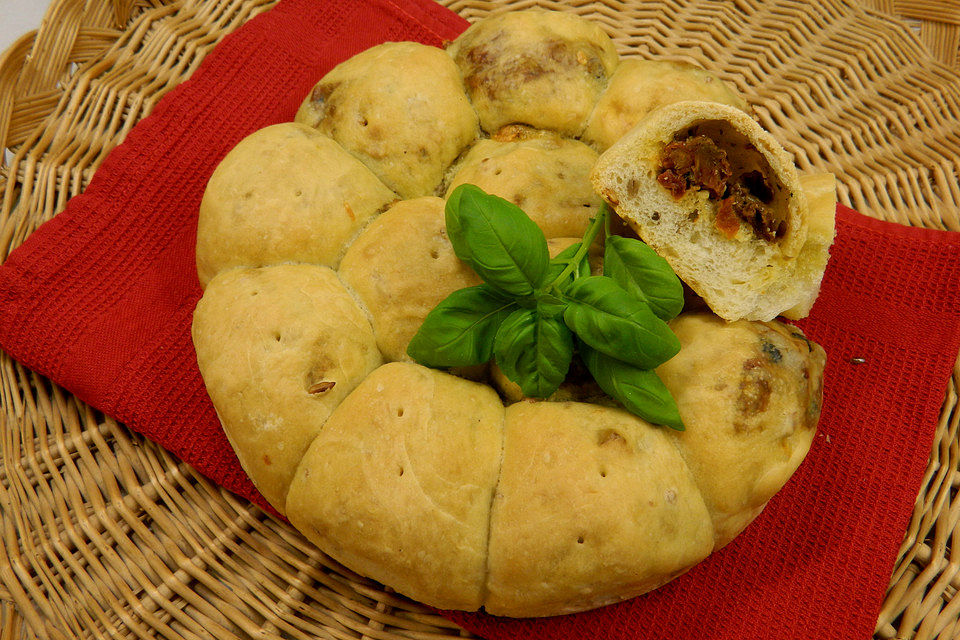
[100,300]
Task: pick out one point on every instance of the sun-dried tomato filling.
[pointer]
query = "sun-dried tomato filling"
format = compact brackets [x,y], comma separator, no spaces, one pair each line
[698,162]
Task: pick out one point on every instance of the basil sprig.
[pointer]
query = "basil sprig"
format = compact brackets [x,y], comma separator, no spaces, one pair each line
[532,313]
[640,391]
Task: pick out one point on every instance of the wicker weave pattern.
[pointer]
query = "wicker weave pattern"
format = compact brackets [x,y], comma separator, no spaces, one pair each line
[106,535]
[938,24]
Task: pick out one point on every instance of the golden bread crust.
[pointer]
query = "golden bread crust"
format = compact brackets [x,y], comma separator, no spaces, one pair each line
[398,485]
[543,69]
[545,175]
[639,87]
[401,267]
[279,347]
[593,506]
[400,108]
[285,193]
[749,394]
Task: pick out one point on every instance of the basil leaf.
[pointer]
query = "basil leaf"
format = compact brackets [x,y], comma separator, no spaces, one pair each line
[497,239]
[640,391]
[612,321]
[459,332]
[644,274]
[560,262]
[550,306]
[534,351]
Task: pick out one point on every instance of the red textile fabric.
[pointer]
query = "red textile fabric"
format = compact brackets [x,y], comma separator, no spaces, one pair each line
[100,300]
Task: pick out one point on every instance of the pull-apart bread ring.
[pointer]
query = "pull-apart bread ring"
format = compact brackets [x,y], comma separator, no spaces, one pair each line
[419,480]
[456,490]
[721,201]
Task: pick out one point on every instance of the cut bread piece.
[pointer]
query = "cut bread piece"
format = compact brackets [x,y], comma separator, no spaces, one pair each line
[719,198]
[820,190]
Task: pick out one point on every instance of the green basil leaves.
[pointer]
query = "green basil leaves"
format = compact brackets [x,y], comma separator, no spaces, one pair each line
[534,351]
[459,332]
[640,391]
[563,259]
[532,313]
[644,274]
[613,322]
[497,239]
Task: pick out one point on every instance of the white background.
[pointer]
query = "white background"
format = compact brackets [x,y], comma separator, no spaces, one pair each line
[17,17]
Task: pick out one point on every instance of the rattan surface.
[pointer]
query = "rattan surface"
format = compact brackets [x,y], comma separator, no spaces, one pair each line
[104,534]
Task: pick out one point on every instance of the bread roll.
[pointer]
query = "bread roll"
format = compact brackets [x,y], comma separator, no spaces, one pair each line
[400,107]
[401,267]
[821,192]
[749,394]
[641,86]
[279,348]
[285,193]
[717,196]
[544,69]
[398,484]
[543,174]
[594,506]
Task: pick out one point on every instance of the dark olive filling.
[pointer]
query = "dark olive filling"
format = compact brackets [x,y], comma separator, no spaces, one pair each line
[697,162]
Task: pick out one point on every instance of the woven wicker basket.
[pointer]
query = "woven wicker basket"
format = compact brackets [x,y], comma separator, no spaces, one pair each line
[104,534]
